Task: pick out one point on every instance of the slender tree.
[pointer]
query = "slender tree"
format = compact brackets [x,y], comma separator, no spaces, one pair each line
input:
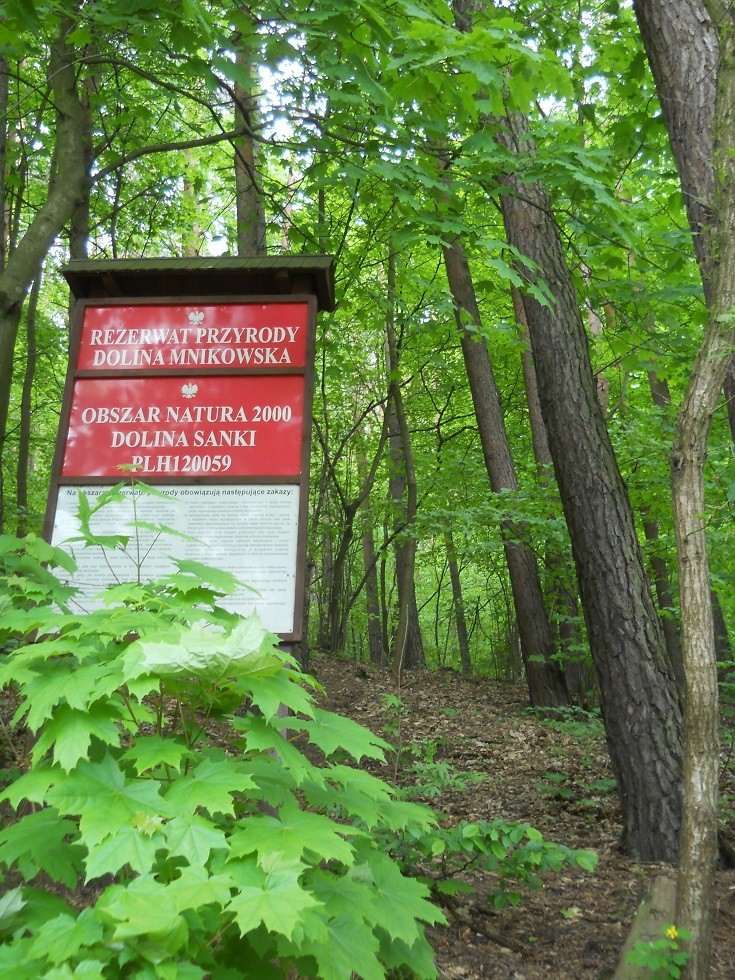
[544,674]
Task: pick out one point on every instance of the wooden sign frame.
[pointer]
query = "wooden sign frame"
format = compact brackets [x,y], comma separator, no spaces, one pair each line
[206,390]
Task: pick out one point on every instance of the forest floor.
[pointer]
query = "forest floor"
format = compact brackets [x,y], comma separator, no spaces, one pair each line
[554,775]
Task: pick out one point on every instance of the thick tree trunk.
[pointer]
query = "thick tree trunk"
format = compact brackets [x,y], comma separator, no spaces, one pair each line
[561,589]
[640,704]
[681,45]
[544,675]
[4,94]
[66,190]
[692,56]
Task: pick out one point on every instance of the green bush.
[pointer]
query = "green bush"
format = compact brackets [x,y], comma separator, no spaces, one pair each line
[182,807]
[160,830]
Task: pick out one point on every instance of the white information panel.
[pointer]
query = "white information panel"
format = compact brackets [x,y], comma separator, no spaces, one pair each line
[249,531]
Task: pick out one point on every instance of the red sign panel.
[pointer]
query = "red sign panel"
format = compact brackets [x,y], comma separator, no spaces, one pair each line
[241,425]
[208,337]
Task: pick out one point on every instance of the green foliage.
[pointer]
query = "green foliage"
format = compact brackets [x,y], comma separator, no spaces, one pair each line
[188,838]
[559,786]
[435,776]
[515,852]
[578,723]
[663,957]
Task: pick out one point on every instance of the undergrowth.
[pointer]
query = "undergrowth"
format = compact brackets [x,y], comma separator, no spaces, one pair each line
[166,820]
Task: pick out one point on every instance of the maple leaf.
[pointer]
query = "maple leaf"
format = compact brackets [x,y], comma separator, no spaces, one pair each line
[331,732]
[292,833]
[37,842]
[129,846]
[194,838]
[105,798]
[61,938]
[271,896]
[70,732]
[210,785]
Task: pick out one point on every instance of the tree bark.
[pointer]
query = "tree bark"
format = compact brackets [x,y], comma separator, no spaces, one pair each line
[544,676]
[372,597]
[407,648]
[26,408]
[377,651]
[458,602]
[699,834]
[66,191]
[691,50]
[4,96]
[640,704]
[249,200]
[561,589]
[681,46]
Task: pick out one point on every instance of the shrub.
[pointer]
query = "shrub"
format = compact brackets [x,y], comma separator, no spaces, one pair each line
[160,830]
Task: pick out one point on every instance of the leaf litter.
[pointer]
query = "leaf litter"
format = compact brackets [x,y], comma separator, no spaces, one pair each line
[552,774]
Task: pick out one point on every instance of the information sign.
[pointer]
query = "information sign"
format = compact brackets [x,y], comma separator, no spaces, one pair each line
[241,426]
[206,337]
[251,531]
[208,398]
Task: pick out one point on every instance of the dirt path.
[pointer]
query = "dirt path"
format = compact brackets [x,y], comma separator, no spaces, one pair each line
[553,775]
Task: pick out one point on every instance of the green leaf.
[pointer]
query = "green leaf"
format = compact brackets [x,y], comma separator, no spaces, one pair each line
[350,949]
[78,687]
[194,838]
[37,842]
[106,799]
[331,732]
[64,936]
[150,751]
[143,907]
[133,847]
[210,785]
[271,896]
[408,899]
[202,652]
[70,732]
[196,887]
[224,582]
[291,834]
[10,904]
[262,737]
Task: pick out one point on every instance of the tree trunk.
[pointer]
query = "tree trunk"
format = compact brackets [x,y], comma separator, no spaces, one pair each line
[459,616]
[561,590]
[332,631]
[4,95]
[372,598]
[701,772]
[370,565]
[544,675]
[26,407]
[640,704]
[407,648]
[681,46]
[249,201]
[66,190]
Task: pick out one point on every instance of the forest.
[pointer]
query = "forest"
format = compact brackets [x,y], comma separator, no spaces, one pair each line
[521,466]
